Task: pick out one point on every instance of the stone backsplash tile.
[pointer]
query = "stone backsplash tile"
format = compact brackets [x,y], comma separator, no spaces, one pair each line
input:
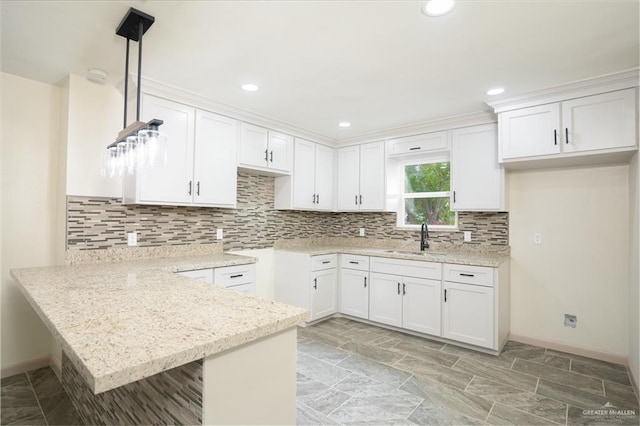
[98,223]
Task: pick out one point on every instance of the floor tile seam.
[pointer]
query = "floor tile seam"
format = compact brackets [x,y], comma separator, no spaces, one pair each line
[493,379]
[489,413]
[332,365]
[605,381]
[558,382]
[562,370]
[38,399]
[414,410]
[465,388]
[584,359]
[314,410]
[338,407]
[537,384]
[530,414]
[596,377]
[617,400]
[566,416]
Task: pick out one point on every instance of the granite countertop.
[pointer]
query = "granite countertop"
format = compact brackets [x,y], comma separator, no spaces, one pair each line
[120,322]
[473,256]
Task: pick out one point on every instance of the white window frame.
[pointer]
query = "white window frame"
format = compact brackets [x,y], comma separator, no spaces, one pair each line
[405,195]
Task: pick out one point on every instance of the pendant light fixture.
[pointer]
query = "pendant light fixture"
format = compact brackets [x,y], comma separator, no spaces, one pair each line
[139,144]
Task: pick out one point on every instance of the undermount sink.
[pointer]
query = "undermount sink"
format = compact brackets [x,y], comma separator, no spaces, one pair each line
[415,253]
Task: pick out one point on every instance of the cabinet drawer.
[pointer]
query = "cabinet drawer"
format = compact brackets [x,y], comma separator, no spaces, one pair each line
[234,275]
[354,261]
[205,275]
[478,275]
[429,142]
[407,268]
[326,261]
[249,288]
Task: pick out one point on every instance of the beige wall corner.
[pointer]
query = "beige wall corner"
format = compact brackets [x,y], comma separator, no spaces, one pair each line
[634,269]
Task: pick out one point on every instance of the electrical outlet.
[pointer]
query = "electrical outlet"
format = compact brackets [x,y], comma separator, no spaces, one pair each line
[467,236]
[219,234]
[362,232]
[132,239]
[537,238]
[570,320]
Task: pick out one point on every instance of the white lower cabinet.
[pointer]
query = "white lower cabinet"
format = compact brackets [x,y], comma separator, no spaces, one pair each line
[385,300]
[354,293]
[241,278]
[310,282]
[421,305]
[467,313]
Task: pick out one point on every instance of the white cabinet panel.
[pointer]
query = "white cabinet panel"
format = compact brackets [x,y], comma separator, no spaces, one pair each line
[230,276]
[421,305]
[529,132]
[605,121]
[325,261]
[418,144]
[385,299]
[354,293]
[467,314]
[253,145]
[404,267]
[280,151]
[372,176]
[304,165]
[324,178]
[348,178]
[170,182]
[477,178]
[205,275]
[323,294]
[215,172]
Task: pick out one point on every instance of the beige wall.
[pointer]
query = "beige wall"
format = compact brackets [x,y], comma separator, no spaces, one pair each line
[634,271]
[582,265]
[94,118]
[30,117]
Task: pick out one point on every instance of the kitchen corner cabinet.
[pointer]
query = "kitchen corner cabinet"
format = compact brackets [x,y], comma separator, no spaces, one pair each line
[406,293]
[477,178]
[361,177]
[597,124]
[310,187]
[201,151]
[475,305]
[265,151]
[354,286]
[309,282]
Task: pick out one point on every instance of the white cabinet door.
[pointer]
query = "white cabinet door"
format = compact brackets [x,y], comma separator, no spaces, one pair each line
[354,293]
[529,132]
[304,164]
[603,121]
[323,293]
[421,305]
[324,177]
[467,314]
[348,178]
[385,299]
[372,176]
[170,182]
[205,275]
[215,172]
[253,145]
[280,151]
[477,178]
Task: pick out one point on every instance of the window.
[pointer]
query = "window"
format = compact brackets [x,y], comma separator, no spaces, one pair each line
[425,197]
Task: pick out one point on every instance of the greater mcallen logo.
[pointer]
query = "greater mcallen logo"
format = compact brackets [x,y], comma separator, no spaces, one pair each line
[609,410]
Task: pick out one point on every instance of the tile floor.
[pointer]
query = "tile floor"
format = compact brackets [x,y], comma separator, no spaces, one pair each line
[353,373]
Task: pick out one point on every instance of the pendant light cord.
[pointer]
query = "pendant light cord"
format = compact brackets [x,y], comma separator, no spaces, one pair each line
[141,32]
[126,85]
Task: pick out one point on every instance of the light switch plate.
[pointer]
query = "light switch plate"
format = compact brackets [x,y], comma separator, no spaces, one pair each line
[362,232]
[132,239]
[467,236]
[219,234]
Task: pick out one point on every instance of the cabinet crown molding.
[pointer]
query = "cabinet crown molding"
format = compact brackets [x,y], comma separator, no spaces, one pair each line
[591,86]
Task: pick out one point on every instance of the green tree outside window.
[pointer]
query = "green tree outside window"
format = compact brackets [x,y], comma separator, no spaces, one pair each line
[426,199]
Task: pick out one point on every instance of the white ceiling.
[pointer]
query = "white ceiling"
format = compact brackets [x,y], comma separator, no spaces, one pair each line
[376,64]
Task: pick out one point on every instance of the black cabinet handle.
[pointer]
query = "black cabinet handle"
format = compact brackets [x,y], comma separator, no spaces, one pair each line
[353,262]
[365,282]
[190,183]
[467,275]
[398,288]
[356,199]
[315,283]
[271,156]
[566,135]
[414,148]
[198,188]
[236,276]
[360,199]
[445,294]
[555,136]
[266,154]
[317,198]
[314,198]
[454,196]
[404,289]
[324,262]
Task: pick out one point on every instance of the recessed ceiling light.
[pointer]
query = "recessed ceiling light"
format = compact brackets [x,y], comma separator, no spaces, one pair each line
[495,91]
[250,87]
[437,7]
[344,124]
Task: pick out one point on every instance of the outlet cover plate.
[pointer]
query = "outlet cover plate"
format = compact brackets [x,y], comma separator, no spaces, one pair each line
[467,236]
[570,320]
[132,239]
[219,234]
[362,232]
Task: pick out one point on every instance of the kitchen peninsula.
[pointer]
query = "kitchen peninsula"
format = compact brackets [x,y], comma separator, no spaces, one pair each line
[142,344]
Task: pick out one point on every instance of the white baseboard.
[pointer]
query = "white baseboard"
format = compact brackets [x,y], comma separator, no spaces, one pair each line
[23,367]
[576,350]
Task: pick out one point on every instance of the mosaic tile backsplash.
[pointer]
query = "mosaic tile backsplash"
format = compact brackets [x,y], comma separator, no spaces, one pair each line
[99,223]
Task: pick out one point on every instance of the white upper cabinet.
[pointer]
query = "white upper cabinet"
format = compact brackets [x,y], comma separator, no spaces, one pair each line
[418,144]
[200,164]
[310,187]
[265,151]
[361,177]
[214,159]
[598,124]
[477,178]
